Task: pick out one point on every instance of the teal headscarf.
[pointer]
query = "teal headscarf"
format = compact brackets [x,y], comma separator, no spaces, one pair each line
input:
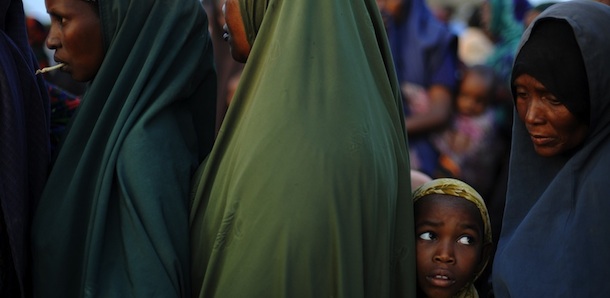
[506,32]
[113,219]
[306,192]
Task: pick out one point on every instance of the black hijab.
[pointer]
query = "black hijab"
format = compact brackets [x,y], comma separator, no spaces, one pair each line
[556,63]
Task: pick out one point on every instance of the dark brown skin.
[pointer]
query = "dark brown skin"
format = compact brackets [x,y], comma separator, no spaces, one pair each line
[76,37]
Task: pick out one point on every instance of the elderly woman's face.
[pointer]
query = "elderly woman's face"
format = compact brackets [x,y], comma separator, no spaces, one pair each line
[552,127]
[235,32]
[76,37]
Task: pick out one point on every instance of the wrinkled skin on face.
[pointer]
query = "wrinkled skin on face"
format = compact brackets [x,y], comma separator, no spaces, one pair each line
[552,127]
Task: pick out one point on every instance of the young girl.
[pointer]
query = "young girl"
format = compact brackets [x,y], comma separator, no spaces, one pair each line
[453,237]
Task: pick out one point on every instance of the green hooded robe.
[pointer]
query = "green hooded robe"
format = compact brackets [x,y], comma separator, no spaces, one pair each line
[306,192]
[113,218]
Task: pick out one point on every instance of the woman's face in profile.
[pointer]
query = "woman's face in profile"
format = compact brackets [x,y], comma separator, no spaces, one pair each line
[235,32]
[552,127]
[76,37]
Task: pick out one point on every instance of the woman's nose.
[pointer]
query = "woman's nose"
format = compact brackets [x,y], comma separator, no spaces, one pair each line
[53,41]
[534,112]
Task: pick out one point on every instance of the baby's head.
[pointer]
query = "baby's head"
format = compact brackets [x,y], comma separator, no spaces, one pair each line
[476,90]
[453,237]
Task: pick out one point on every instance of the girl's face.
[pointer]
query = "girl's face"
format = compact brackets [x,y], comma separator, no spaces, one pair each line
[450,250]
[76,37]
[473,97]
[552,127]
[235,32]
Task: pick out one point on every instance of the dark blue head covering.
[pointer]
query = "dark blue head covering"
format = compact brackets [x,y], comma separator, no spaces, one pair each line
[24,134]
[557,64]
[555,230]
[419,43]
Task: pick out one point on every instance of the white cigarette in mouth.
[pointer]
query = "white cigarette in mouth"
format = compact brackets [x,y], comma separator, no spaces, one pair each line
[47,69]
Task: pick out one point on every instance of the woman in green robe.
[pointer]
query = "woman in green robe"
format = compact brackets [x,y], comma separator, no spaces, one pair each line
[306,192]
[113,217]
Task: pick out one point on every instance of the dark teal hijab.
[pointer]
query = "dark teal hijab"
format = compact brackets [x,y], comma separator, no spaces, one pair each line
[556,227]
[113,219]
[505,31]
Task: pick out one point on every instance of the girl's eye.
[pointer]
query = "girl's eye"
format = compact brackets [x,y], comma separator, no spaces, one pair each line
[467,240]
[426,236]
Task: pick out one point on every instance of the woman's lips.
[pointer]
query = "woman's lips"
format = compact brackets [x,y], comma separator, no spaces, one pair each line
[539,140]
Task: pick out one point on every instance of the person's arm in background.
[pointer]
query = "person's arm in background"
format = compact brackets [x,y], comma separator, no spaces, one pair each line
[439,101]
[438,111]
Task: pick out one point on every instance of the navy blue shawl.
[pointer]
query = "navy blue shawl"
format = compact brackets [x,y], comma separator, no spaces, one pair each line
[556,228]
[24,134]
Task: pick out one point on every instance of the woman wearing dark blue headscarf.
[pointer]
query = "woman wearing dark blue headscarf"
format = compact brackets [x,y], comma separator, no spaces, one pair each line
[425,56]
[555,232]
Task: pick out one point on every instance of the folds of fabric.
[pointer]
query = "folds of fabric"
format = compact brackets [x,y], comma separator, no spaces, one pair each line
[24,141]
[421,44]
[113,219]
[555,226]
[506,31]
[306,192]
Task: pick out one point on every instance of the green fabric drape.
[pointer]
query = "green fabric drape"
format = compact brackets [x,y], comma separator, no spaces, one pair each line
[113,219]
[306,192]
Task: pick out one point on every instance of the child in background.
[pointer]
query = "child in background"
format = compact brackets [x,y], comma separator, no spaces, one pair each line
[453,238]
[471,149]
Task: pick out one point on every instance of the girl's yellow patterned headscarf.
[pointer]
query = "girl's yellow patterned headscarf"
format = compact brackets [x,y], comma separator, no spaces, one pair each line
[457,188]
